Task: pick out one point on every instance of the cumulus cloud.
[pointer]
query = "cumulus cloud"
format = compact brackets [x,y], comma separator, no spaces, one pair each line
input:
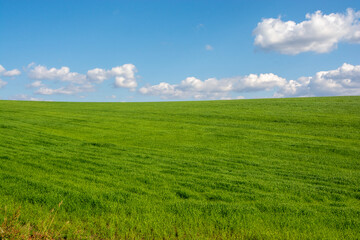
[62,74]
[319,33]
[213,88]
[343,81]
[11,73]
[75,83]
[254,82]
[124,75]
[98,75]
[163,89]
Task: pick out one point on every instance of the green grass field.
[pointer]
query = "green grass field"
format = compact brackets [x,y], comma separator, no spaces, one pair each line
[242,169]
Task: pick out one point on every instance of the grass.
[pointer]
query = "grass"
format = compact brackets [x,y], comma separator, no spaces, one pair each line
[244,169]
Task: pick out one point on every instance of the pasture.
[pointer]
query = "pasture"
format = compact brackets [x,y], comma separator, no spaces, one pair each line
[238,169]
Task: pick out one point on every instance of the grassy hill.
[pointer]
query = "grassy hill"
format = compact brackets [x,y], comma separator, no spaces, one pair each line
[242,169]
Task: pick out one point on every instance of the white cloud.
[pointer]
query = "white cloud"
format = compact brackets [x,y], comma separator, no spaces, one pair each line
[162,89]
[77,83]
[343,81]
[213,88]
[208,47]
[36,84]
[11,73]
[293,88]
[124,75]
[62,74]
[318,33]
[2,83]
[5,73]
[261,82]
[98,75]
[67,90]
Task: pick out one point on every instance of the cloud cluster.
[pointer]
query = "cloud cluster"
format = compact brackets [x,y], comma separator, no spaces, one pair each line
[77,83]
[5,73]
[124,75]
[213,88]
[342,81]
[74,82]
[63,74]
[319,33]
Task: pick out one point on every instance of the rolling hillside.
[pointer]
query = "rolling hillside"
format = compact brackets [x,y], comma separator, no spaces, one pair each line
[241,169]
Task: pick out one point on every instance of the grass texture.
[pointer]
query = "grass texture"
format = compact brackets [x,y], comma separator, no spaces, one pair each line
[242,169]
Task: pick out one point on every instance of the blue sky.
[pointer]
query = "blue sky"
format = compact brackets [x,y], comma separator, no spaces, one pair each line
[178,50]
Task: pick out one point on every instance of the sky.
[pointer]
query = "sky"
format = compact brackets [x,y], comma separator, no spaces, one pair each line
[139,51]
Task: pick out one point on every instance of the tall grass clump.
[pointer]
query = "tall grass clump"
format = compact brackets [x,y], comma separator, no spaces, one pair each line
[12,227]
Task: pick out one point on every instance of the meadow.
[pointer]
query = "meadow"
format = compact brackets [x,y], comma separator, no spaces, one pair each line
[238,169]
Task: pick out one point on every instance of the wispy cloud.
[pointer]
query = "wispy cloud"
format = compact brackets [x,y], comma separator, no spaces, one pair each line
[2,83]
[200,26]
